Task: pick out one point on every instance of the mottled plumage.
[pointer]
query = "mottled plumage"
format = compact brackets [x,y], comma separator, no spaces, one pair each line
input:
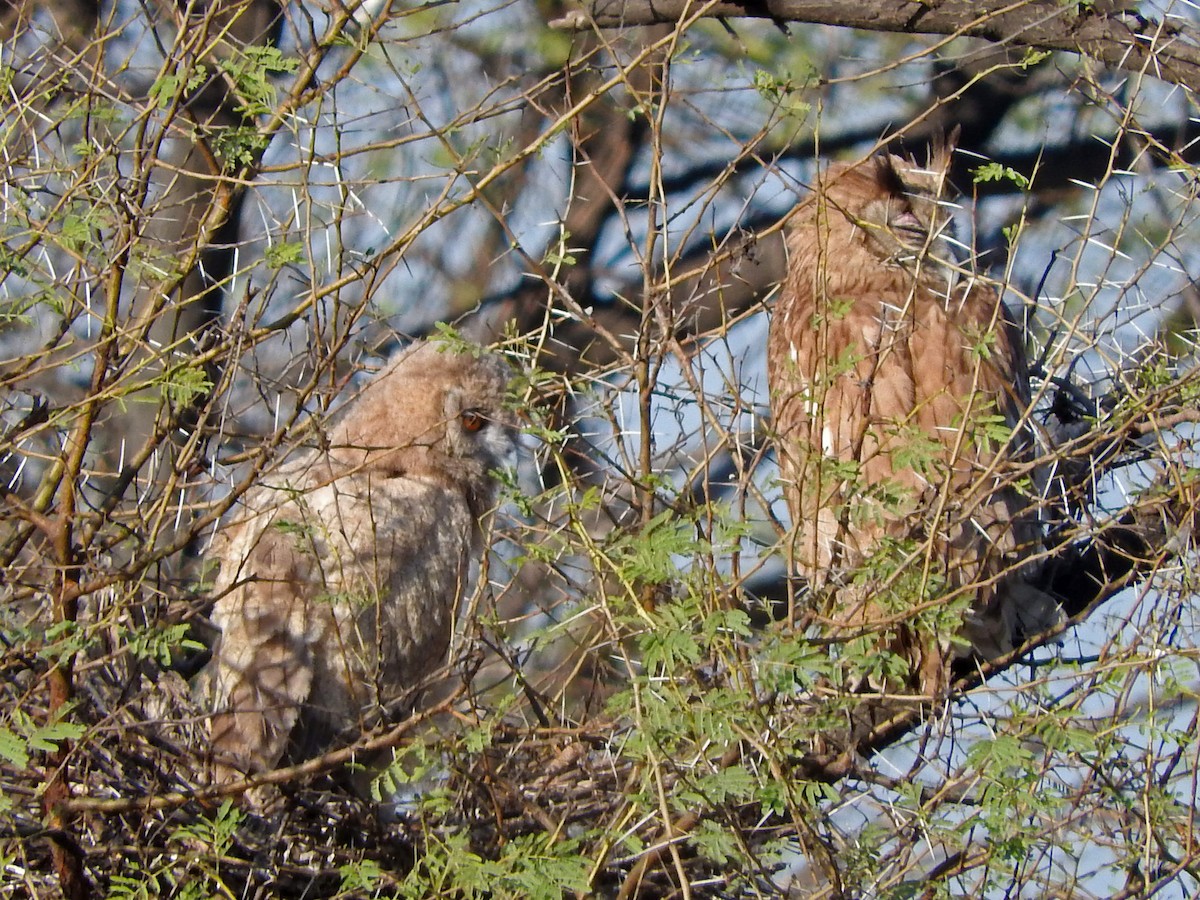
[897,389]
[341,574]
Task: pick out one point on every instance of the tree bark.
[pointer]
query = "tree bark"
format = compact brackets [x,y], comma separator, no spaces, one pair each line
[1168,50]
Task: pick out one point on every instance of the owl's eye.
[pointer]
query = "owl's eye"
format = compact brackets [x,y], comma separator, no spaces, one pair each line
[472,421]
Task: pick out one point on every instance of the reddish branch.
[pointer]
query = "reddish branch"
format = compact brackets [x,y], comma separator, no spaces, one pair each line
[58,529]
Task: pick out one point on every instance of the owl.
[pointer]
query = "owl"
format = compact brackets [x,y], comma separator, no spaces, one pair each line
[340,578]
[898,385]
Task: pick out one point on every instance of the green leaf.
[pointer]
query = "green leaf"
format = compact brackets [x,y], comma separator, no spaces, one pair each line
[174,87]
[715,843]
[1032,57]
[183,383]
[49,736]
[250,69]
[541,868]
[75,232]
[365,875]
[13,749]
[217,832]
[994,171]
[651,554]
[1001,752]
[283,253]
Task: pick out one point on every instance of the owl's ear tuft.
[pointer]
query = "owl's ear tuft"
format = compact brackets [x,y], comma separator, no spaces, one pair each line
[941,153]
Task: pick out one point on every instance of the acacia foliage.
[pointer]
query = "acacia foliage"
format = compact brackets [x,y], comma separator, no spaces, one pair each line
[212,215]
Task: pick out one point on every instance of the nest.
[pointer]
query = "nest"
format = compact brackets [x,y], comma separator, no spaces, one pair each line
[141,818]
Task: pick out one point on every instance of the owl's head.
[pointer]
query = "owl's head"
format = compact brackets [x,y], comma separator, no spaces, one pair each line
[900,210]
[436,411]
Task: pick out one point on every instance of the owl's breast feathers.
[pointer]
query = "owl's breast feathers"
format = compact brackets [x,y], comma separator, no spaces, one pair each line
[339,558]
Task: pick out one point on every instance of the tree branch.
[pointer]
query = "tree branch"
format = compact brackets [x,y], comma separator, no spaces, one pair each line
[1124,40]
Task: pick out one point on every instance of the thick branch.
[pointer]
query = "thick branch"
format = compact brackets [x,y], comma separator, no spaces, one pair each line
[1167,50]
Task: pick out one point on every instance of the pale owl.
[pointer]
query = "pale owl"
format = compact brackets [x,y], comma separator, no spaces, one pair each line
[898,386]
[341,575]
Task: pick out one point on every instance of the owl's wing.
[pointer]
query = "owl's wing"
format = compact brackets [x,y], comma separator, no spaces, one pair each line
[262,668]
[1017,609]
[340,603]
[972,389]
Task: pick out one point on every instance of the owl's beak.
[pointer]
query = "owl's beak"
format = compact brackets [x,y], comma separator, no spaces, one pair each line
[909,228]
[504,446]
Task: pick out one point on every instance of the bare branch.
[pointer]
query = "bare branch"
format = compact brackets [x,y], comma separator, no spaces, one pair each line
[1169,50]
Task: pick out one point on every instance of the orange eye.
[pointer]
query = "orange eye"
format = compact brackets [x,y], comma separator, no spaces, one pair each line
[472,421]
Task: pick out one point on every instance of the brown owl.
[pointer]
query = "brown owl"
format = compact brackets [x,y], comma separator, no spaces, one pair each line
[340,579]
[897,391]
